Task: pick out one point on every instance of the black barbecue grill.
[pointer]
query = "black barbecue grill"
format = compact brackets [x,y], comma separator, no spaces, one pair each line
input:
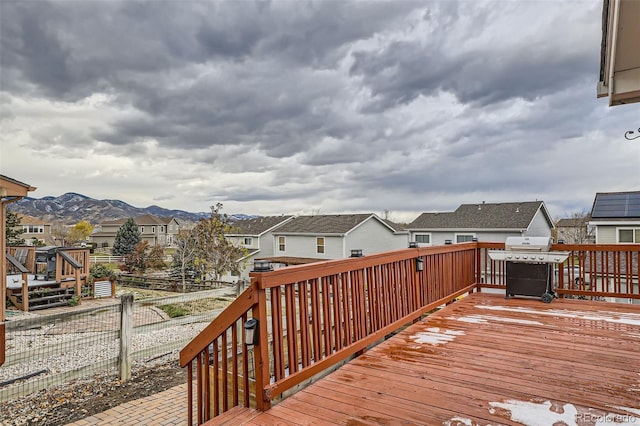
[529,266]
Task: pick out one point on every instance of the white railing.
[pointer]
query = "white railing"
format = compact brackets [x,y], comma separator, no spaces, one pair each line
[105,259]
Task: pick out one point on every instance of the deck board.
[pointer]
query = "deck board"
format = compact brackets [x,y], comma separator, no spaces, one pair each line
[486,360]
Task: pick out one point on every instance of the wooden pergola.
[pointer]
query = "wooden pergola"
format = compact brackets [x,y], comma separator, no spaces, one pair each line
[11,191]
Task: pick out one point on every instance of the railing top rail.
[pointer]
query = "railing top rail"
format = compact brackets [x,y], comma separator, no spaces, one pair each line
[16,263]
[332,267]
[70,260]
[230,315]
[596,247]
[574,247]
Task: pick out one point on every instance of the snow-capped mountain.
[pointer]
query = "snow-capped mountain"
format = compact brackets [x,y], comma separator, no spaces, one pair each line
[70,208]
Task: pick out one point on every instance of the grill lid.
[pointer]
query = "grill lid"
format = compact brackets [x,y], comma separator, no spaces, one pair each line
[538,244]
[528,250]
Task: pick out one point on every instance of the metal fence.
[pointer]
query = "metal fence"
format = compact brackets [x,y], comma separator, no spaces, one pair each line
[45,350]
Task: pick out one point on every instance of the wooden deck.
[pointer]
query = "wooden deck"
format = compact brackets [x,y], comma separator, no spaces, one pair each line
[483,360]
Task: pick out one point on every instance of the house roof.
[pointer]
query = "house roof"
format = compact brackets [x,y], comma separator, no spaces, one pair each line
[619,53]
[616,205]
[258,225]
[573,222]
[482,216]
[30,220]
[13,188]
[146,219]
[325,224]
[292,260]
[397,227]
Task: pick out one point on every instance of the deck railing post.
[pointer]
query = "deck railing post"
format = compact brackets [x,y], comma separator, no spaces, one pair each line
[25,292]
[126,332]
[260,351]
[478,268]
[2,342]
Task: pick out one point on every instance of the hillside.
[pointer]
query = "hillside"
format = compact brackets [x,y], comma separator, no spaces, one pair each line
[70,208]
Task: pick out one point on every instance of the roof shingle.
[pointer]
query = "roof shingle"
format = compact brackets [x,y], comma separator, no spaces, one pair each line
[323,224]
[481,216]
[257,225]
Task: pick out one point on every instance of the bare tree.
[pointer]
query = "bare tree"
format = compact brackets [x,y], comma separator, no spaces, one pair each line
[183,258]
[215,253]
[575,229]
[59,233]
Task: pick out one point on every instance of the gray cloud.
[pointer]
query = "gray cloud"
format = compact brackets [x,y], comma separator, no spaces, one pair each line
[342,105]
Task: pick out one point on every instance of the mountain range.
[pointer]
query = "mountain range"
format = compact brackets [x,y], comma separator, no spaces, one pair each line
[70,208]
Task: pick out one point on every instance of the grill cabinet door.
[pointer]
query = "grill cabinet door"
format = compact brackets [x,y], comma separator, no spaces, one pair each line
[527,279]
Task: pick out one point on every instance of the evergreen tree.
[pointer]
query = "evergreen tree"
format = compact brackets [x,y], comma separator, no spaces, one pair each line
[14,230]
[127,237]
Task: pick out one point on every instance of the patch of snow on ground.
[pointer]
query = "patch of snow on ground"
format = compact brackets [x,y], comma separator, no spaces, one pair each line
[613,317]
[434,336]
[480,319]
[635,411]
[538,414]
[455,421]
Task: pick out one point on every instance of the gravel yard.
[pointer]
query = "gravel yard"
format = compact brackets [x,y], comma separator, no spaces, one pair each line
[62,347]
[91,395]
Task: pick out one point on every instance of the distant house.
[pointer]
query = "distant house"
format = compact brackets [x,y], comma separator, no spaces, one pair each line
[256,235]
[615,217]
[155,230]
[35,228]
[575,230]
[491,222]
[323,237]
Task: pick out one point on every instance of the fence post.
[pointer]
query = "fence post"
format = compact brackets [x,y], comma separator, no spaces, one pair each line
[126,332]
[2,344]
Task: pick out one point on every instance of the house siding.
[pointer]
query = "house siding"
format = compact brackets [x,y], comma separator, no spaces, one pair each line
[374,237]
[606,235]
[539,226]
[305,246]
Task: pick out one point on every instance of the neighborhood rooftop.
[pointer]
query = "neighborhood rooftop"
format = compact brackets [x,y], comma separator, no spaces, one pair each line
[257,225]
[482,216]
[324,224]
[619,205]
[146,219]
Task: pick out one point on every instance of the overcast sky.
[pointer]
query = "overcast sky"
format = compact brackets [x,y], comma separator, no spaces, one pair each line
[300,107]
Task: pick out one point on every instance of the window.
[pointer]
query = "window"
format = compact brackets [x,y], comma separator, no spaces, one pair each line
[464,238]
[423,238]
[320,245]
[248,241]
[281,244]
[153,229]
[142,229]
[629,235]
[33,229]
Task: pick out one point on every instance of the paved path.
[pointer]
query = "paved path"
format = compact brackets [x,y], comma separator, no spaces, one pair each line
[164,408]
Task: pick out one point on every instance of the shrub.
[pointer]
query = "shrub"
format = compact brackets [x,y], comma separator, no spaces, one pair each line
[174,310]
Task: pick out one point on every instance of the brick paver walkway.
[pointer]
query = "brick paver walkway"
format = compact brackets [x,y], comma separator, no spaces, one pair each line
[164,408]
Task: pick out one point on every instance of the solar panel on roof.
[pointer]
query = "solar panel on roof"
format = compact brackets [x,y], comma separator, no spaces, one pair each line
[617,205]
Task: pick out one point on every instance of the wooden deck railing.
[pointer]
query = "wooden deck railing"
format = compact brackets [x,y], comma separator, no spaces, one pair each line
[311,317]
[72,269]
[600,270]
[591,271]
[26,255]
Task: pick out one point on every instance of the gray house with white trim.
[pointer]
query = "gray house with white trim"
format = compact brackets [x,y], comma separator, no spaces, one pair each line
[489,222]
[615,216]
[324,237]
[256,235]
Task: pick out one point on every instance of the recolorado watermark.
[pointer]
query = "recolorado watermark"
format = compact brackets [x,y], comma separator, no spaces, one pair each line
[612,419]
